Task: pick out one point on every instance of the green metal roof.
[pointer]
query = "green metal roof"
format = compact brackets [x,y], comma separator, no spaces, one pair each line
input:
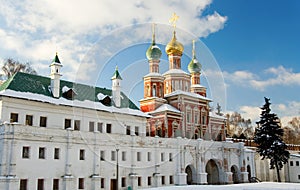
[24,82]
[116,75]
[56,60]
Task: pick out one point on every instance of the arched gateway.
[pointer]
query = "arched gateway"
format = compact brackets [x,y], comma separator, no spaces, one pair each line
[191,172]
[212,172]
[235,174]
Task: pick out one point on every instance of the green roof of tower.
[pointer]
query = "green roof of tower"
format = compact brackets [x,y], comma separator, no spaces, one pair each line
[116,74]
[56,60]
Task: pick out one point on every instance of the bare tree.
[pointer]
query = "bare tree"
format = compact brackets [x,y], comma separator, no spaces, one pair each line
[11,67]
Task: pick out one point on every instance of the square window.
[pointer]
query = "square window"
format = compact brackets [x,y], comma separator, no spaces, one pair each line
[25,152]
[123,156]
[291,163]
[170,157]
[128,132]
[91,126]
[102,155]
[81,154]
[14,117]
[56,153]
[113,155]
[55,184]
[77,125]
[138,156]
[139,181]
[23,184]
[68,123]
[81,183]
[123,182]
[100,127]
[43,121]
[29,120]
[102,183]
[42,152]
[171,179]
[108,128]
[40,185]
[149,181]
[299,177]
[136,131]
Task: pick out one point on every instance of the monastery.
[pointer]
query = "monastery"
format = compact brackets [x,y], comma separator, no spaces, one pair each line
[60,135]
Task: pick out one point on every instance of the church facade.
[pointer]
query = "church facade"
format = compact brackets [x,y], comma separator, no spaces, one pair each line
[60,135]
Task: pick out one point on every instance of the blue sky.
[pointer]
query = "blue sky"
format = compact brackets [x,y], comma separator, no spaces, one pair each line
[251,45]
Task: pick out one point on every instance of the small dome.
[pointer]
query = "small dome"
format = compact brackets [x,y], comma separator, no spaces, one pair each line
[174,47]
[153,52]
[194,66]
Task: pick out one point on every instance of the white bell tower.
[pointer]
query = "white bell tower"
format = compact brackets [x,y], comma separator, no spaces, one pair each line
[55,76]
[116,87]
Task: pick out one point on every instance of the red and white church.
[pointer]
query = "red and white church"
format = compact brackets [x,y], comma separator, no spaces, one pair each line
[176,99]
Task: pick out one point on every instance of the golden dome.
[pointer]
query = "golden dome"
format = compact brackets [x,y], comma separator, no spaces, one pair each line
[174,47]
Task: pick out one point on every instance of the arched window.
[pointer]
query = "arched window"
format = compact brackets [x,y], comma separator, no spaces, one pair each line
[154,91]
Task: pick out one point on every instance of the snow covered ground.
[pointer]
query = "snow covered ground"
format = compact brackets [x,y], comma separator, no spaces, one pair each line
[243,186]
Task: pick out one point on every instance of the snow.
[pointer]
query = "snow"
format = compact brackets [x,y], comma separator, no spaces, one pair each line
[153,75]
[180,92]
[165,107]
[175,71]
[252,186]
[197,85]
[65,89]
[213,114]
[74,103]
[101,96]
[155,46]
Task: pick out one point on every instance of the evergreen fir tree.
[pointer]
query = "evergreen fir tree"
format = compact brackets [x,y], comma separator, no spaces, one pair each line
[268,137]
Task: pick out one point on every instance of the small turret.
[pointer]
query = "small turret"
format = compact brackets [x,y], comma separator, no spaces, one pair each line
[55,76]
[116,87]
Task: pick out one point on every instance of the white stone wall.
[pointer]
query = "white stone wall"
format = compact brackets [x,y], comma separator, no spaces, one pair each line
[293,169]
[169,157]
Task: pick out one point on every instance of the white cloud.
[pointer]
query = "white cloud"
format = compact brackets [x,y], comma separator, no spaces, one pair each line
[279,76]
[285,112]
[250,112]
[35,29]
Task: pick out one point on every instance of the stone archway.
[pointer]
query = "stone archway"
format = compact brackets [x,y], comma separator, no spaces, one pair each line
[212,172]
[189,172]
[235,175]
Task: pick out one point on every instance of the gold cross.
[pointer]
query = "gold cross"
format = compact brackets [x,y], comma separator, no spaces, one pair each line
[173,20]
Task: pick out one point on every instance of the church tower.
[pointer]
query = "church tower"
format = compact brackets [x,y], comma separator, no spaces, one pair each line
[116,88]
[154,81]
[194,68]
[175,77]
[55,76]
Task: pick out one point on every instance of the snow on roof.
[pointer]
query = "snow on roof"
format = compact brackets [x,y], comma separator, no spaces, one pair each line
[65,89]
[165,107]
[101,96]
[213,114]
[262,185]
[175,71]
[180,92]
[198,85]
[295,155]
[155,46]
[153,75]
[74,103]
